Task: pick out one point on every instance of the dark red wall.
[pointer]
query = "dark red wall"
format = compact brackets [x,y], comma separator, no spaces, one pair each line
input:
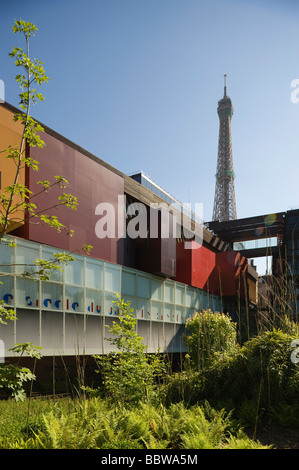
[90,182]
[157,255]
[196,267]
[231,266]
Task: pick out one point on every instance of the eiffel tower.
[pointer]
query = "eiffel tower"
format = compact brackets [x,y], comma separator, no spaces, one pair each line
[225,201]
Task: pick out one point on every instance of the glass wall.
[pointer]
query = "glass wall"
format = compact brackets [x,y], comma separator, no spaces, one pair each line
[257,243]
[88,286]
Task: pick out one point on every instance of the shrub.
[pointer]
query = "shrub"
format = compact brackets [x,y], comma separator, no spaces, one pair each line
[268,368]
[211,335]
[257,379]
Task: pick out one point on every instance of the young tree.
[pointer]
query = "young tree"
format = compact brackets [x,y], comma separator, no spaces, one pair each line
[17,201]
[17,196]
[129,374]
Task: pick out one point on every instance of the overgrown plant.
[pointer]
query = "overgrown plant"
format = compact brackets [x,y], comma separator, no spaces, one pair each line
[95,424]
[210,334]
[258,379]
[129,374]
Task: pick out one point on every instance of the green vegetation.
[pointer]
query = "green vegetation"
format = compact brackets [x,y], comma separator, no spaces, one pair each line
[257,381]
[93,424]
[13,376]
[211,335]
[129,375]
[141,404]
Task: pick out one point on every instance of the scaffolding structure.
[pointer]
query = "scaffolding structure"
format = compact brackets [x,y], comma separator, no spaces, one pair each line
[225,200]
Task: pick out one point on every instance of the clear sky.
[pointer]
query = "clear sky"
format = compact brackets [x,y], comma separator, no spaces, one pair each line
[136,82]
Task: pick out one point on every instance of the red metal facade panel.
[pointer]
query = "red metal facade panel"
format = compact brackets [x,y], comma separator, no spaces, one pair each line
[203,268]
[196,267]
[218,273]
[91,183]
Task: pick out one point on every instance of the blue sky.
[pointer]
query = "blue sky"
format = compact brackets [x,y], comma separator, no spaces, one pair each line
[136,82]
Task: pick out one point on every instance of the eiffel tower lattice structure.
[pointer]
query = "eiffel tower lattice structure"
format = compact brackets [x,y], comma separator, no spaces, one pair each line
[225,199]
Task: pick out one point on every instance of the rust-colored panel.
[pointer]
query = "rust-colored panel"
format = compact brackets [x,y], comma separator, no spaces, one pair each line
[91,183]
[10,134]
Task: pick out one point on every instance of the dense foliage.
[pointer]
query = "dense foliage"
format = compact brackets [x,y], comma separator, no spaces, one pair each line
[197,408]
[260,377]
[95,424]
[210,335]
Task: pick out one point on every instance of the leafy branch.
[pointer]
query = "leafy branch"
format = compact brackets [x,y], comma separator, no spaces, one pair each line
[18,203]
[17,197]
